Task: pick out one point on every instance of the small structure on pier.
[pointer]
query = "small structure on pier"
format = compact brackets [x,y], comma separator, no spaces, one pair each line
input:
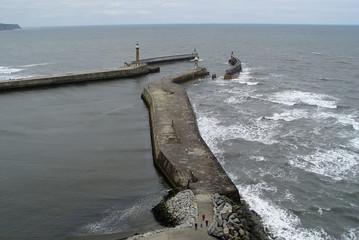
[137,54]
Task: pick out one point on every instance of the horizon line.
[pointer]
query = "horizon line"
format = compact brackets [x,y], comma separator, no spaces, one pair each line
[148,24]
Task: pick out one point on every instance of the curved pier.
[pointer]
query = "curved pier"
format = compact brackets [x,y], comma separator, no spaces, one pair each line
[185,160]
[178,149]
[235,69]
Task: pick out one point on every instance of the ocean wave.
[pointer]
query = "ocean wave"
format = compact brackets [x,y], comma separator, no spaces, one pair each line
[9,70]
[282,223]
[346,119]
[245,77]
[116,220]
[289,115]
[34,65]
[213,132]
[292,97]
[351,234]
[240,98]
[355,143]
[317,53]
[338,164]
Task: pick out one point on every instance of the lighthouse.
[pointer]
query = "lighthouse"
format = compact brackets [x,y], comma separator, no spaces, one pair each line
[137,54]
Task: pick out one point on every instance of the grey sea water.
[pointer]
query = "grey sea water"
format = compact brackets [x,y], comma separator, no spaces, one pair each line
[76,160]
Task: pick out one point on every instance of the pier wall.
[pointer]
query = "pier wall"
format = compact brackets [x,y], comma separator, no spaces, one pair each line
[165,59]
[179,151]
[235,69]
[54,80]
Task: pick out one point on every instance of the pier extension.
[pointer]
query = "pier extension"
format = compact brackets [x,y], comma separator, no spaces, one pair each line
[235,69]
[165,59]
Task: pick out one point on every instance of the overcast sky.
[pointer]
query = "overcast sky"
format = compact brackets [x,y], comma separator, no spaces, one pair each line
[33,13]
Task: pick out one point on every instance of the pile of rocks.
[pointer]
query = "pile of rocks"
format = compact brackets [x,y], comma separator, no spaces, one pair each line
[183,207]
[234,220]
[180,209]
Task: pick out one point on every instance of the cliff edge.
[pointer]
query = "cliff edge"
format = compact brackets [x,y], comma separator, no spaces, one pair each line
[9,26]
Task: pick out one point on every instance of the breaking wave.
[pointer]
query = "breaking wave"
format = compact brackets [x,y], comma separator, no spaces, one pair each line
[279,221]
[289,115]
[116,220]
[337,164]
[12,72]
[258,131]
[245,77]
[292,97]
[345,119]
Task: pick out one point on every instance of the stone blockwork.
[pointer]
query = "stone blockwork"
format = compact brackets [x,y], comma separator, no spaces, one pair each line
[179,151]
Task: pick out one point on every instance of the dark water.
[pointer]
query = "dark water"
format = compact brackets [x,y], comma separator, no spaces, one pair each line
[76,160]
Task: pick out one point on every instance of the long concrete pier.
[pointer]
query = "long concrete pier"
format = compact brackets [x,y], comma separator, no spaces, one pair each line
[179,150]
[129,71]
[165,59]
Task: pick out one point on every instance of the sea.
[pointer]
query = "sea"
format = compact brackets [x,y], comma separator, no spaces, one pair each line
[76,160]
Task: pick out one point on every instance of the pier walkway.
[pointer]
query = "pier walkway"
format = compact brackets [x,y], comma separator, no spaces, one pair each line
[165,59]
[179,150]
[96,75]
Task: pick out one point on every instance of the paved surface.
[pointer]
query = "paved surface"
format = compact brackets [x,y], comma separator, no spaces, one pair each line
[204,207]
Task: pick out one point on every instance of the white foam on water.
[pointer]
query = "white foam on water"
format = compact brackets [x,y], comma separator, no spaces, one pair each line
[258,131]
[289,196]
[281,223]
[245,77]
[9,70]
[351,234]
[346,119]
[290,115]
[355,143]
[292,97]
[210,132]
[337,164]
[317,53]
[34,65]
[116,220]
[258,158]
[10,73]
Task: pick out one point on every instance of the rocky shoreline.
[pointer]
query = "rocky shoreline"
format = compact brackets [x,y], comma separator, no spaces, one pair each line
[175,212]
[235,220]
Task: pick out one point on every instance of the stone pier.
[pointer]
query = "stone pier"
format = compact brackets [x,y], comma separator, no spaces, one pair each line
[179,150]
[71,78]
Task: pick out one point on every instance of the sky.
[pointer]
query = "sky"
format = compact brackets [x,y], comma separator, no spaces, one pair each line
[38,13]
